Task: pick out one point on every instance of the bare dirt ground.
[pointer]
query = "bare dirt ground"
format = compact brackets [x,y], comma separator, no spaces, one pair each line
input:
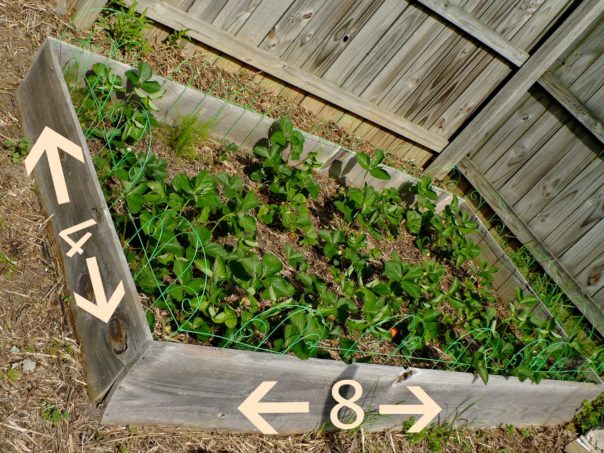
[43,402]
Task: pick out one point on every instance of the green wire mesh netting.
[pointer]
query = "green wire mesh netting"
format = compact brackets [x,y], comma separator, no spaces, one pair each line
[117,117]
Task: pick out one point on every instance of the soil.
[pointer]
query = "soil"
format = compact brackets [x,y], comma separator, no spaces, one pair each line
[213,157]
[45,409]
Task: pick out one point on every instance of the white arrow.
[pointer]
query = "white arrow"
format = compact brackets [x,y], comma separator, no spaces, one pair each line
[428,409]
[49,142]
[103,309]
[252,407]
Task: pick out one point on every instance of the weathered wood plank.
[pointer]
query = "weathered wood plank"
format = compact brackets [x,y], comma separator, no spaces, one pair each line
[181,4]
[595,104]
[101,363]
[321,43]
[557,179]
[401,75]
[205,10]
[592,311]
[507,20]
[574,106]
[539,22]
[86,12]
[429,81]
[290,25]
[448,81]
[456,93]
[185,385]
[449,118]
[360,47]
[234,15]
[581,57]
[526,146]
[585,216]
[586,259]
[531,114]
[229,44]
[573,208]
[541,162]
[475,28]
[490,118]
[403,41]
[532,106]
[258,25]
[510,17]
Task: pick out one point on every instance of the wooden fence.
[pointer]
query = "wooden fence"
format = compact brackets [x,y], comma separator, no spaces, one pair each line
[421,68]
[145,381]
[535,154]
[416,69]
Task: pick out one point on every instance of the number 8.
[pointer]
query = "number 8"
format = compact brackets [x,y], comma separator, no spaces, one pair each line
[348,403]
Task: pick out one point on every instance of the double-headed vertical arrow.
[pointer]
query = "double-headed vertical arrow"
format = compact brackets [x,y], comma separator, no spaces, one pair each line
[49,142]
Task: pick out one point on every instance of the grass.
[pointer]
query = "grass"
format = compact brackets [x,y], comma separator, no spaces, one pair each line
[590,415]
[53,414]
[188,133]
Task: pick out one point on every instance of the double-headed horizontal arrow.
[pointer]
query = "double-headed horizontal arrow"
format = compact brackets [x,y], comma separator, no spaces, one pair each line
[252,407]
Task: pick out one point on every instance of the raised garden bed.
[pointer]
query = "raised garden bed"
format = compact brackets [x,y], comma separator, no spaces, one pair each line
[326,294]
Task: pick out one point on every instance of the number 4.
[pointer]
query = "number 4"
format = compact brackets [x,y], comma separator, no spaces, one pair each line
[76,247]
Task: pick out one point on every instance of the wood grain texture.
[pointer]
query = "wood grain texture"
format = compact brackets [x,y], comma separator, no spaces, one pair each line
[585,216]
[185,385]
[390,53]
[531,106]
[258,26]
[475,28]
[234,15]
[406,69]
[85,12]
[491,117]
[562,143]
[540,21]
[319,47]
[508,20]
[102,365]
[206,10]
[576,207]
[516,157]
[246,53]
[593,311]
[580,57]
[290,25]
[558,178]
[360,47]
[574,106]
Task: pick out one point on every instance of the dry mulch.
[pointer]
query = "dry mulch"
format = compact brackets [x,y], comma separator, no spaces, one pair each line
[34,333]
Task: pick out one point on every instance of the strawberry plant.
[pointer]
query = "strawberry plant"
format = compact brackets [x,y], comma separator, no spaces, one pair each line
[250,264]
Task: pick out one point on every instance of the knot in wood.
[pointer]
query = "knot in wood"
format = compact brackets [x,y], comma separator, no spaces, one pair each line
[117,335]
